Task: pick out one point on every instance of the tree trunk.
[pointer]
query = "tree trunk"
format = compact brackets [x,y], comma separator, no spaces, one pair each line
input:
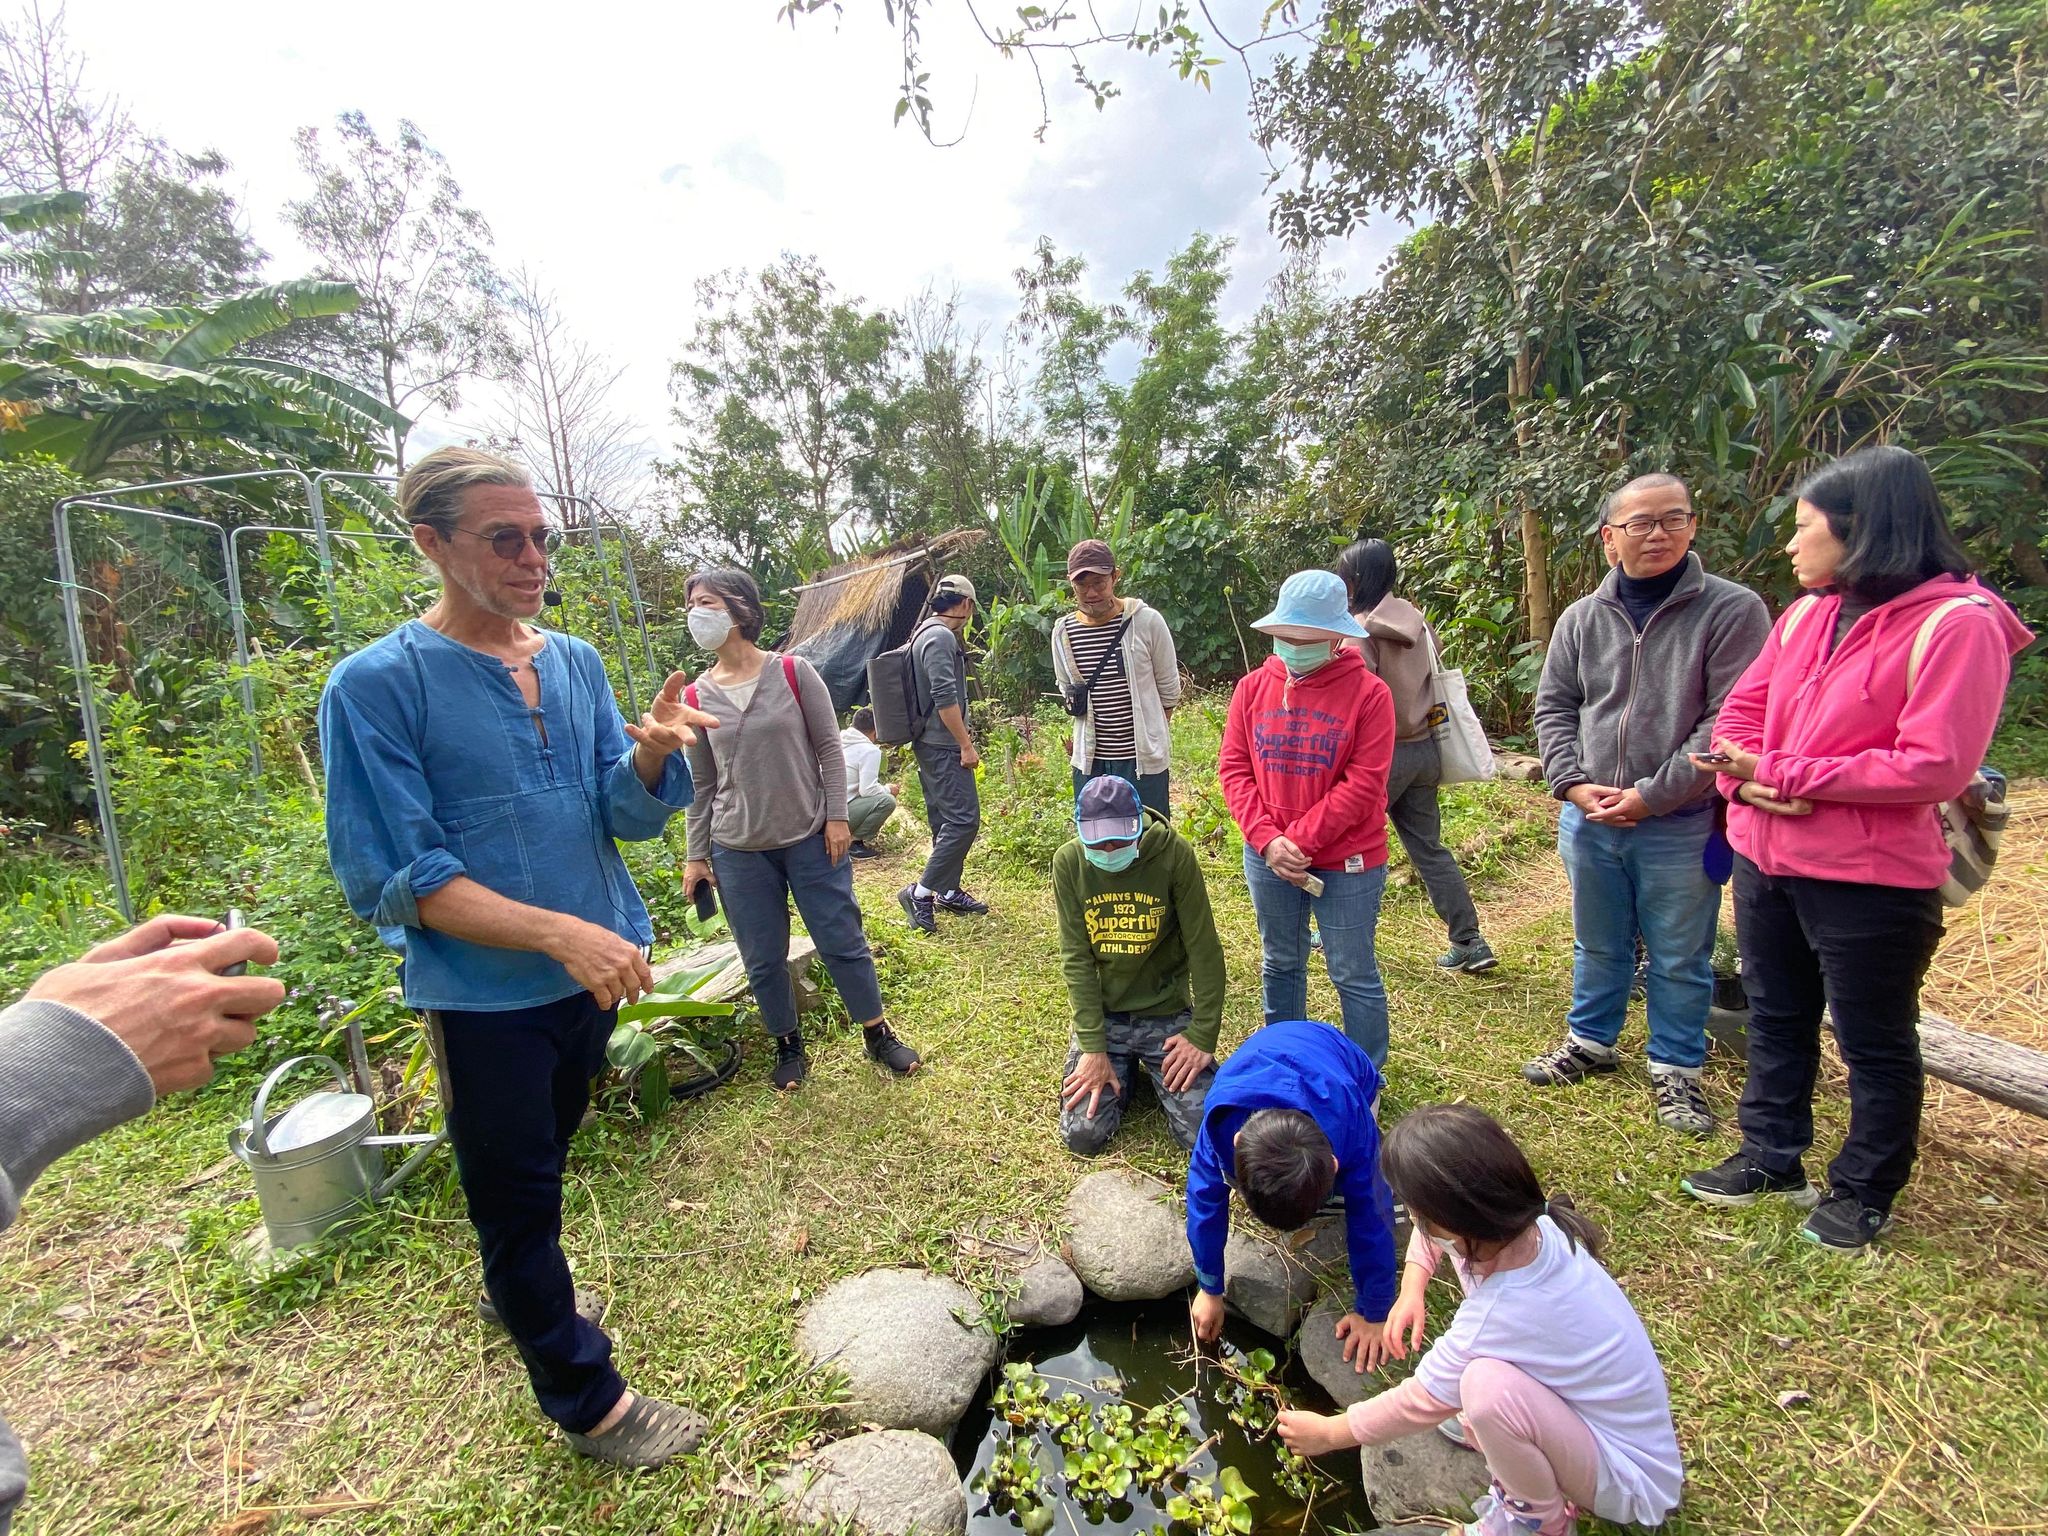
[1535,543]
[2026,559]
[2014,1075]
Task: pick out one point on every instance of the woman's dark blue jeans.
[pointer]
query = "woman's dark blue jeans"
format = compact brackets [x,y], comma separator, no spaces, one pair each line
[518,1083]
[756,885]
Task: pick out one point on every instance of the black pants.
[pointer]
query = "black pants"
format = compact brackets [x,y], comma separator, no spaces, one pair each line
[1861,951]
[519,1083]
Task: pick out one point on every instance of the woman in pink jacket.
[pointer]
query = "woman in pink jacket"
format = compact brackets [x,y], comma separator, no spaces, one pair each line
[1872,702]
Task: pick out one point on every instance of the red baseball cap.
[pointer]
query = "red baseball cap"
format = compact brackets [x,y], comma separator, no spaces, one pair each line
[1090,555]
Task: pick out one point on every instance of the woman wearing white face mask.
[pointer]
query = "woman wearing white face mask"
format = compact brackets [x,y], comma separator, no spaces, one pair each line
[769,821]
[1546,1370]
[1304,769]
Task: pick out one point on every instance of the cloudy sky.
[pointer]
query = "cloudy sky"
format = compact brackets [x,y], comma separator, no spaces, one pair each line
[623,151]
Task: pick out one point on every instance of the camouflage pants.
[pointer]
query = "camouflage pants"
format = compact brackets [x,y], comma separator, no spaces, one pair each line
[1135,1042]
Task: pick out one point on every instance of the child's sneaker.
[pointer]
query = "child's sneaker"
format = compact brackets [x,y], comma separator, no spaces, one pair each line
[1742,1180]
[1500,1515]
[1681,1101]
[1845,1224]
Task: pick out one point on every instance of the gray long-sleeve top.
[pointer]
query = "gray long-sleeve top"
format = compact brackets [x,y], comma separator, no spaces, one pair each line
[772,773]
[64,1078]
[1624,707]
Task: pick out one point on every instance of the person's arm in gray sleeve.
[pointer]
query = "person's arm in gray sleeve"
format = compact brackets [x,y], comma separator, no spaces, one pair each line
[1165,661]
[1736,632]
[1558,697]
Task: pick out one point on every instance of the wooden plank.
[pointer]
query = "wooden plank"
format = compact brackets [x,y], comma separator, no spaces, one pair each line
[1995,1069]
[731,980]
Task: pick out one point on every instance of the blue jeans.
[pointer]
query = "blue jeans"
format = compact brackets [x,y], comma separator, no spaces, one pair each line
[1646,879]
[1347,913]
[756,885]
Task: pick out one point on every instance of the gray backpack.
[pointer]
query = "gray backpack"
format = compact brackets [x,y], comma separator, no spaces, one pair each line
[892,693]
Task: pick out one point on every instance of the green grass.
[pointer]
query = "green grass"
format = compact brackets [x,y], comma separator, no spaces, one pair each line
[163,1391]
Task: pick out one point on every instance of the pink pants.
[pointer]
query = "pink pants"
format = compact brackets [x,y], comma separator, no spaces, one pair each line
[1538,1449]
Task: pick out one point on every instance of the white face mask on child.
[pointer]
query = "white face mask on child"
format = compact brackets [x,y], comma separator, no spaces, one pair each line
[1447,1246]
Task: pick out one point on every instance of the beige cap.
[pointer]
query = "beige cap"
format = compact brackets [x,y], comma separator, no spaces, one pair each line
[958,585]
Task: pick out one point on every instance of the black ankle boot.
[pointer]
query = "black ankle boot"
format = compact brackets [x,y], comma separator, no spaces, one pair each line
[792,1066]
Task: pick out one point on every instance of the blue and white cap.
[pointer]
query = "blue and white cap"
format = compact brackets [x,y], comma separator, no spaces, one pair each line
[1107,811]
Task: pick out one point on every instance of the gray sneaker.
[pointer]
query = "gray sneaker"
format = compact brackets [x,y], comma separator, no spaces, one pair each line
[1572,1062]
[1470,958]
[1681,1102]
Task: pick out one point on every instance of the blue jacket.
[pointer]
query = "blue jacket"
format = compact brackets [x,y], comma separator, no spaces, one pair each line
[1313,1068]
[437,768]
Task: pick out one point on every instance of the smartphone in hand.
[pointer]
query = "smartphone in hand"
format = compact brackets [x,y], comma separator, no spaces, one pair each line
[1713,759]
[706,898]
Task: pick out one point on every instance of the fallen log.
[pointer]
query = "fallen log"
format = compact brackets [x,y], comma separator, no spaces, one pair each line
[2009,1074]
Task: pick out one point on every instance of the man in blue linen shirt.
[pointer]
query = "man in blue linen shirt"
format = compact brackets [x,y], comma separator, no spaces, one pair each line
[478,777]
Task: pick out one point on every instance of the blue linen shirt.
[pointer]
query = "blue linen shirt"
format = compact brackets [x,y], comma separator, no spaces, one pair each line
[437,767]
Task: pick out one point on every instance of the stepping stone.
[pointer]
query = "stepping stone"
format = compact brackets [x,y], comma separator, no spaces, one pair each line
[1049,1294]
[897,1338]
[1128,1238]
[1422,1475]
[890,1482]
[1322,1356]
[1267,1283]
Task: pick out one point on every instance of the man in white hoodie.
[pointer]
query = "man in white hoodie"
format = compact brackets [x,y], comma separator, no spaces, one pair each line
[1118,676]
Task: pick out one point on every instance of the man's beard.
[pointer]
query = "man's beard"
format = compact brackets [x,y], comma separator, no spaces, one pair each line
[491,603]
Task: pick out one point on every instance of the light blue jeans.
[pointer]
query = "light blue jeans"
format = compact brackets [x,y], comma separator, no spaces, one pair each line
[1646,879]
[1347,913]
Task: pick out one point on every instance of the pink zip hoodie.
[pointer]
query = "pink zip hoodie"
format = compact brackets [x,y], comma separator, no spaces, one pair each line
[1836,726]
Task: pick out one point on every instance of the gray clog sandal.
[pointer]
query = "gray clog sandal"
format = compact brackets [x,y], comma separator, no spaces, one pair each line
[651,1434]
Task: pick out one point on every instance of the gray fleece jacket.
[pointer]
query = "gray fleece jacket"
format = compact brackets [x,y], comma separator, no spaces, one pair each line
[64,1078]
[1622,708]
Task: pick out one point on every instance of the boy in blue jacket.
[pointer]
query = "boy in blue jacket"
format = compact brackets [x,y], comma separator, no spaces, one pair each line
[1289,1119]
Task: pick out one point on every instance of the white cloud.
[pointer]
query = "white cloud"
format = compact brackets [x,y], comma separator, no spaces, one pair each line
[624,151]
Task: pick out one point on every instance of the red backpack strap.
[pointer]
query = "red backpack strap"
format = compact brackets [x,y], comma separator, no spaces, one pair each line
[690,695]
[789,677]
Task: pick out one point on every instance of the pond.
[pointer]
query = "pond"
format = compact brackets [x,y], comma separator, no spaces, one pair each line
[1089,1458]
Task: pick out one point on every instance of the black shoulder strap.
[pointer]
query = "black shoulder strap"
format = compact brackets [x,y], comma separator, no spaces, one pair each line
[1109,650]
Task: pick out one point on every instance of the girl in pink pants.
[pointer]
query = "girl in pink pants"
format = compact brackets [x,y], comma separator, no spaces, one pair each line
[1546,1369]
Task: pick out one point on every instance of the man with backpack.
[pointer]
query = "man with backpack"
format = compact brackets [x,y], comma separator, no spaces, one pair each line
[1118,677]
[946,757]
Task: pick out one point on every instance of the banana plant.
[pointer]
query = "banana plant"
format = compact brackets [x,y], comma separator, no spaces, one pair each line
[671,1018]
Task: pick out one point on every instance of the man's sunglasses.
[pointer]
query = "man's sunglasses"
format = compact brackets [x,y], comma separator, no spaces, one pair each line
[510,543]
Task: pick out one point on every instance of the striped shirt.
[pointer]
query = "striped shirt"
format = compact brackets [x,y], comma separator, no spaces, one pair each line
[1109,701]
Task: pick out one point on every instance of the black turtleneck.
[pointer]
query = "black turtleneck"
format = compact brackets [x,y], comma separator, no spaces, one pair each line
[1642,595]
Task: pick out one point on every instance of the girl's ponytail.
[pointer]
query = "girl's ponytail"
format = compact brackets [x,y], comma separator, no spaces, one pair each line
[1580,1231]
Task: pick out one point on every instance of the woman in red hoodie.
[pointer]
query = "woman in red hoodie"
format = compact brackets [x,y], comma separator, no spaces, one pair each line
[1872,702]
[1304,769]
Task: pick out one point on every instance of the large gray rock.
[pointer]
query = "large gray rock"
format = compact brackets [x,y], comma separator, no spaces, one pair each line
[1048,1294]
[1128,1238]
[1266,1281]
[1422,1475]
[897,1338]
[891,1482]
[1322,1356]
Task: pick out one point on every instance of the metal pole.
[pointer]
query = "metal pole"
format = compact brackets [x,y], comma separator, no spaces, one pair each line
[74,633]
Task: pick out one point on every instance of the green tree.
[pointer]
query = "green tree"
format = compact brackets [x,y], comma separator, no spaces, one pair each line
[1074,338]
[389,220]
[777,401]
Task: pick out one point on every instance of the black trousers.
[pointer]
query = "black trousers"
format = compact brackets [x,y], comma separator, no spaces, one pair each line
[1860,951]
[519,1081]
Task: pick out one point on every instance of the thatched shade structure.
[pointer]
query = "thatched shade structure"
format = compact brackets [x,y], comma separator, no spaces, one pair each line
[857,610]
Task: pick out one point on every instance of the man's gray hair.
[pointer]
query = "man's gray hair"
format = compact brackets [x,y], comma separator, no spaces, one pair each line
[431,491]
[1655,481]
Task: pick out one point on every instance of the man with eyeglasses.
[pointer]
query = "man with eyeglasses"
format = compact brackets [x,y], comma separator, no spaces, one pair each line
[479,777]
[1634,677]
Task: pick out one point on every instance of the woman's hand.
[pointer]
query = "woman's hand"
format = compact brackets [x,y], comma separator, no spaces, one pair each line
[1284,857]
[1766,799]
[1740,764]
[838,838]
[694,871]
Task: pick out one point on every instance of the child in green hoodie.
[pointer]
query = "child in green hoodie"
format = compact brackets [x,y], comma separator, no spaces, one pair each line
[1143,964]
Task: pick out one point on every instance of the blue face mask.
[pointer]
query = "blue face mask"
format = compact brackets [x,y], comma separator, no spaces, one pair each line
[1110,860]
[1301,658]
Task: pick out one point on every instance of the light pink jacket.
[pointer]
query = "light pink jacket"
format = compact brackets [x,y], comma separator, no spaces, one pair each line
[1838,727]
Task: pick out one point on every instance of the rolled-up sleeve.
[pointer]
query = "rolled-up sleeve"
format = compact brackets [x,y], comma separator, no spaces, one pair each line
[633,813]
[387,848]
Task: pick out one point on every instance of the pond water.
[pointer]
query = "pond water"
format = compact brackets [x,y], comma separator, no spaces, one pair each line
[1139,1355]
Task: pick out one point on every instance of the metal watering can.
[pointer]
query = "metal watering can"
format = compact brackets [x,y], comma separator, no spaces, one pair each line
[318,1164]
